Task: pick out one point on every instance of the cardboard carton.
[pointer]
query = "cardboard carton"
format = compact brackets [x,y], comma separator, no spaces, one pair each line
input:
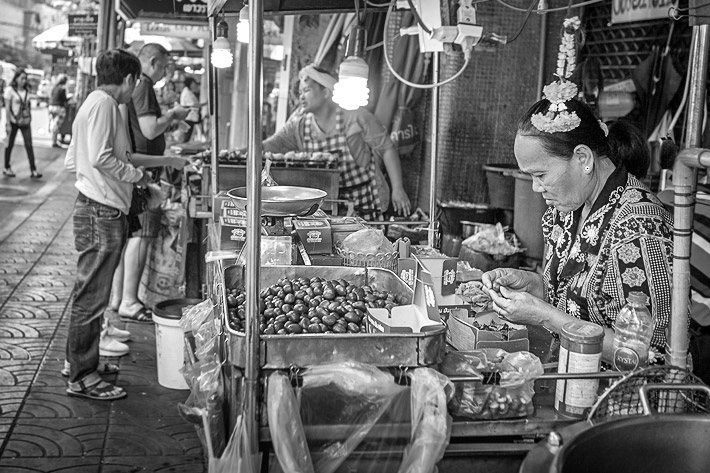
[463,335]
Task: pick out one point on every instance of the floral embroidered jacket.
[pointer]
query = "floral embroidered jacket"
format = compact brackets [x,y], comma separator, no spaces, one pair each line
[625,245]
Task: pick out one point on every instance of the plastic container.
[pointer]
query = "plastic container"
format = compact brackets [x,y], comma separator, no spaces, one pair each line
[632,333]
[170,342]
[580,352]
[527,216]
[500,183]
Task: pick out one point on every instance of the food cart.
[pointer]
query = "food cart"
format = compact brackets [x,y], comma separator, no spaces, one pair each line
[497,444]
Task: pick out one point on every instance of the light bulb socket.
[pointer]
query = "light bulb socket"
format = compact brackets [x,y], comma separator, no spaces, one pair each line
[222,43]
[244,13]
[353,67]
[222,30]
[356,41]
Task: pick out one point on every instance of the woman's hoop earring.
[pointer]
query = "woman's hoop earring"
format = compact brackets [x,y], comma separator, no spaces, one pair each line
[587,169]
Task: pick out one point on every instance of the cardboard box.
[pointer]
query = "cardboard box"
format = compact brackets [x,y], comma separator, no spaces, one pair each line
[443,273]
[233,233]
[315,235]
[421,315]
[464,336]
[224,206]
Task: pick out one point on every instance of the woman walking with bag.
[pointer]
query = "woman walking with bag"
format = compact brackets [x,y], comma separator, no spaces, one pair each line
[19,117]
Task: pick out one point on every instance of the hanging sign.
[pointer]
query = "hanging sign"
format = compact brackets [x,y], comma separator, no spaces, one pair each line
[175,30]
[194,11]
[626,11]
[85,25]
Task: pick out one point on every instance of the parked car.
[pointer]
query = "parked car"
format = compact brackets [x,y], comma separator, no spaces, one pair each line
[44,92]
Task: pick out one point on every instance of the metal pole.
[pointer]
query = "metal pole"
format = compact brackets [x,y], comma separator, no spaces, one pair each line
[684,180]
[213,90]
[434,137]
[251,375]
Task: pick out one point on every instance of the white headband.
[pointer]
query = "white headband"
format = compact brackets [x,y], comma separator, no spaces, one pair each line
[326,80]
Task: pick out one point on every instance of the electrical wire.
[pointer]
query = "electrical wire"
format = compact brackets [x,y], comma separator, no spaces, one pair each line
[547,10]
[528,12]
[402,79]
[417,17]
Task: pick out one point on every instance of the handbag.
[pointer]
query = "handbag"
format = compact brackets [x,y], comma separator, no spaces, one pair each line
[24,116]
[139,200]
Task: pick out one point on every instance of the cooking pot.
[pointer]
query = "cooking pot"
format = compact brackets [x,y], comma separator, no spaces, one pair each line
[630,444]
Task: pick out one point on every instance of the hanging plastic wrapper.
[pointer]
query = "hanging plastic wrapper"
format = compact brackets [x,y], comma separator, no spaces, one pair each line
[347,400]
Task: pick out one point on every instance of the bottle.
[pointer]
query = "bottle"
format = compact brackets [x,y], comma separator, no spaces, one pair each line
[632,333]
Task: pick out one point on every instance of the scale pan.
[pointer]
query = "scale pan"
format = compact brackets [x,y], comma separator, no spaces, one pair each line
[282,201]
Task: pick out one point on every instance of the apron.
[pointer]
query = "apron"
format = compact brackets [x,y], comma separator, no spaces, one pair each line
[357,184]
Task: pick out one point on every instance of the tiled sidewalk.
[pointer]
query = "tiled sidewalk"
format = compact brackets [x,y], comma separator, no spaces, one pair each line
[41,428]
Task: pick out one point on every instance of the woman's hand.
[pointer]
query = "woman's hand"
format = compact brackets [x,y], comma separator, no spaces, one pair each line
[514,280]
[400,202]
[521,307]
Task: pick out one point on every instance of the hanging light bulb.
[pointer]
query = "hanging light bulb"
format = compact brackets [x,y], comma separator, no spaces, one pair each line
[243,25]
[221,49]
[351,91]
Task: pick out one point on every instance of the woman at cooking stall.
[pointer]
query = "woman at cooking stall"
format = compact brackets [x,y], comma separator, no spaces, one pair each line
[605,233]
[355,135]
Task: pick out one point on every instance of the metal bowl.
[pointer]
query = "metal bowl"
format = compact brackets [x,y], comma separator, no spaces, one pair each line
[282,201]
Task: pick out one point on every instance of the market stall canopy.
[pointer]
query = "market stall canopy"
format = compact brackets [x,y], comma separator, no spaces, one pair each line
[56,37]
[183,46]
[293,6]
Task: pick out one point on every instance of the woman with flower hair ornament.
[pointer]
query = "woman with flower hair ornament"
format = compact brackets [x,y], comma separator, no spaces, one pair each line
[605,233]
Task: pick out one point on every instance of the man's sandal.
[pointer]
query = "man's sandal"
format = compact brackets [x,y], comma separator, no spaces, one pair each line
[101,391]
[142,316]
[104,369]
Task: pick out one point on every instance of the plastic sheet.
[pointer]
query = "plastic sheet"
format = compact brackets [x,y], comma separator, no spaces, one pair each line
[348,400]
[506,385]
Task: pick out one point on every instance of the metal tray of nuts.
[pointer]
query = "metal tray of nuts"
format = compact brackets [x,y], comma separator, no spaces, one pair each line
[308,349]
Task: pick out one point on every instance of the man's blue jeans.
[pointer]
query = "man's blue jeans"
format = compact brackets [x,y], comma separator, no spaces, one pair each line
[100,232]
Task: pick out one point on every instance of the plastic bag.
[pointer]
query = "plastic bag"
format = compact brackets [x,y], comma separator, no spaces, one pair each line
[236,457]
[431,423]
[493,241]
[195,316]
[505,386]
[287,434]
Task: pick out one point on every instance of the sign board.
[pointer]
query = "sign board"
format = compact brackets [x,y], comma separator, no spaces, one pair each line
[626,11]
[86,25]
[175,30]
[193,11]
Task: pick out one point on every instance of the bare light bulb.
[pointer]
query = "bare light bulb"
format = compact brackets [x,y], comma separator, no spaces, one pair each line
[221,53]
[351,91]
[243,25]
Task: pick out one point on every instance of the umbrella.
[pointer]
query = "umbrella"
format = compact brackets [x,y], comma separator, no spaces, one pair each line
[56,37]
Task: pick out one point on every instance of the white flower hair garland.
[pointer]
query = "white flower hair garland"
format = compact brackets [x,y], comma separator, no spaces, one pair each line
[558,118]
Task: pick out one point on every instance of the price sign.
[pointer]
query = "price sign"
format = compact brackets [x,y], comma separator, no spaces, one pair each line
[85,25]
[626,11]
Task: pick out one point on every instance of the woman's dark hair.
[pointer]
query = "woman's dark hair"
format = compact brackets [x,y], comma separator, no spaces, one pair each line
[112,66]
[18,73]
[620,147]
[189,81]
[626,140]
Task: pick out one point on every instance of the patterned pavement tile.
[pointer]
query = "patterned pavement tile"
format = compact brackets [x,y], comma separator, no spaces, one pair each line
[56,260]
[15,259]
[5,427]
[173,464]
[66,272]
[32,310]
[17,373]
[19,349]
[46,281]
[48,374]
[11,269]
[31,251]
[60,438]
[10,280]
[65,251]
[54,403]
[152,401]
[10,401]
[45,465]
[131,435]
[40,294]
[27,328]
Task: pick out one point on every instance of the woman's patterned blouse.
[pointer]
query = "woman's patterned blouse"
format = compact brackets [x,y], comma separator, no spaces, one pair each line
[625,245]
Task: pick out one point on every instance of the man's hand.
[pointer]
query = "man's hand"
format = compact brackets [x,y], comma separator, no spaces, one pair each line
[145,179]
[179,112]
[177,162]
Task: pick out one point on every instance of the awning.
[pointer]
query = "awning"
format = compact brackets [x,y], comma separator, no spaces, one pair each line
[135,40]
[55,37]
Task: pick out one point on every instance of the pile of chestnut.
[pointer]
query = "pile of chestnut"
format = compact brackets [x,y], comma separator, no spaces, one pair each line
[315,305]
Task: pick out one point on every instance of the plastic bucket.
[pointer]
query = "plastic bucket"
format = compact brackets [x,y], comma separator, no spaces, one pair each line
[500,184]
[527,216]
[170,342]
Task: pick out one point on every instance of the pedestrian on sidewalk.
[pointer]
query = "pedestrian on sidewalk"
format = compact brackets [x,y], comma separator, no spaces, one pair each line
[100,155]
[19,118]
[58,109]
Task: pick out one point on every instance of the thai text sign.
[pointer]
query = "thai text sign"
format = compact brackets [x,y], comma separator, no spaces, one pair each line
[175,30]
[625,11]
[184,10]
[83,25]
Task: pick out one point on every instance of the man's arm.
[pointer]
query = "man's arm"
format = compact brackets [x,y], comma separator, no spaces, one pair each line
[400,199]
[153,126]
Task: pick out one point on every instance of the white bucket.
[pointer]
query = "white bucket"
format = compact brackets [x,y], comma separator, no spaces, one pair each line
[169,343]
